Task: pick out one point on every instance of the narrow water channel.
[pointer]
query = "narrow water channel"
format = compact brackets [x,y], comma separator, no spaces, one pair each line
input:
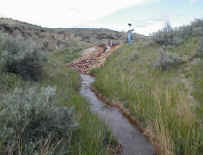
[133,142]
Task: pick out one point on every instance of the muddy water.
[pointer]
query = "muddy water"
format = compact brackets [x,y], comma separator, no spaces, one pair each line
[133,142]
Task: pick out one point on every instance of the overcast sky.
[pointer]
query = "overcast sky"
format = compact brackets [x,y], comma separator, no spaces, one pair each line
[146,16]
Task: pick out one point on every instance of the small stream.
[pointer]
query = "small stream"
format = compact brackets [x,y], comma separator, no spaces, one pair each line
[133,142]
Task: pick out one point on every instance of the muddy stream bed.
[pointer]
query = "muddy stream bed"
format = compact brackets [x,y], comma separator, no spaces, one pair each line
[132,141]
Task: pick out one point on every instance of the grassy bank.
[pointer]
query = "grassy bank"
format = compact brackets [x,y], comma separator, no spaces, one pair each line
[160,100]
[90,135]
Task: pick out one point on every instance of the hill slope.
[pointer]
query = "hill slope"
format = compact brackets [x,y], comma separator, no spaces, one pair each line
[162,88]
[59,38]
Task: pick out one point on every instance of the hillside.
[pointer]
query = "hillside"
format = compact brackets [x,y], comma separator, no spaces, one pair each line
[60,38]
[160,84]
[48,105]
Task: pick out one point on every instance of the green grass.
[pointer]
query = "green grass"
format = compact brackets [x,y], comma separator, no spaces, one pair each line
[188,48]
[91,136]
[91,133]
[197,77]
[159,100]
[71,54]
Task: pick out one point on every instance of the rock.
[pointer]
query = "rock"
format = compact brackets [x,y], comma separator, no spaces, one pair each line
[92,58]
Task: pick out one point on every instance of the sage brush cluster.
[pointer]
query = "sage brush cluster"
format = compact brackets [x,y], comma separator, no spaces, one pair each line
[197,27]
[32,124]
[21,57]
[172,37]
[169,36]
[167,60]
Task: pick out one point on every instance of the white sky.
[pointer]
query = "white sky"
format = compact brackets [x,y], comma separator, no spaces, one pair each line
[76,13]
[62,13]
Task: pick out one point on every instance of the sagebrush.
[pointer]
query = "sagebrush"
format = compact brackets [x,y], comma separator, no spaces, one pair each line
[172,37]
[167,60]
[21,57]
[32,123]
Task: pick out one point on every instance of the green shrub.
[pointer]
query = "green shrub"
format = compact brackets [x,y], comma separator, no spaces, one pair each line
[21,57]
[164,36]
[31,123]
[197,27]
[10,81]
[167,60]
[173,37]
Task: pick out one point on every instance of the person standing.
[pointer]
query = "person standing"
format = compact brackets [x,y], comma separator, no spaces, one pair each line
[130,33]
[109,45]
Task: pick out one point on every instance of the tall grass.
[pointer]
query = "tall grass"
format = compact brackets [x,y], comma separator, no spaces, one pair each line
[197,74]
[159,100]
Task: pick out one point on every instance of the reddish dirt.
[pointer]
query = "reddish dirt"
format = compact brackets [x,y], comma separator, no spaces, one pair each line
[155,142]
[92,58]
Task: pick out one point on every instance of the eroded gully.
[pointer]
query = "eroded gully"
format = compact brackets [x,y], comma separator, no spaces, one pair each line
[133,142]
